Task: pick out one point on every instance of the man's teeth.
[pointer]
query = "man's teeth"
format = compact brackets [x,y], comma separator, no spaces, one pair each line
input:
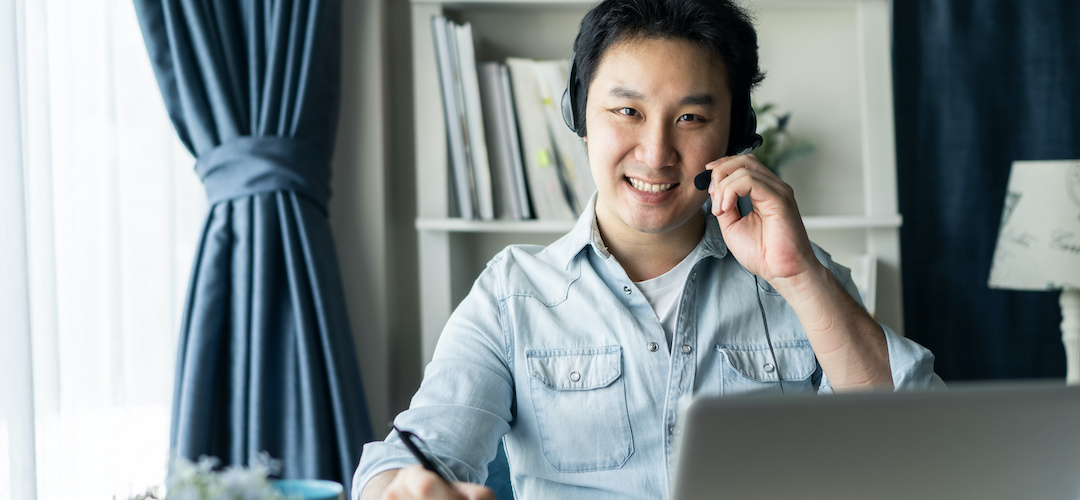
[649,188]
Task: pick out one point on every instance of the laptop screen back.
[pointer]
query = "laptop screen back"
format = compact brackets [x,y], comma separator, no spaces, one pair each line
[980,442]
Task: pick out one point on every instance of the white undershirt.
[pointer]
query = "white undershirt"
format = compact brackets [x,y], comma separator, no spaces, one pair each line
[665,291]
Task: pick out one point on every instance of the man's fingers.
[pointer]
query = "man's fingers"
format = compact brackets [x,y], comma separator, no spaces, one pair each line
[741,182]
[416,482]
[732,162]
[475,491]
[745,164]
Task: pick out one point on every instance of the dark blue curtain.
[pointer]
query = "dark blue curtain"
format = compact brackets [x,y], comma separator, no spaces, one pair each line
[978,84]
[266,359]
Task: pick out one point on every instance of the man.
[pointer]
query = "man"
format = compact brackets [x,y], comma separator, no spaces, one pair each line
[581,355]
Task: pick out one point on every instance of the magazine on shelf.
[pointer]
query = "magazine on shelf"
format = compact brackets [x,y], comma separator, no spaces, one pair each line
[475,140]
[573,158]
[510,155]
[542,172]
[513,138]
[453,111]
[501,150]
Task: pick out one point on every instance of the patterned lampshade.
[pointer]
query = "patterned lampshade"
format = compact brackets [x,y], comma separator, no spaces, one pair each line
[1038,245]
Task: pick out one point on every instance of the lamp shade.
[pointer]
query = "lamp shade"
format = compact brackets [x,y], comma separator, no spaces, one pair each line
[1038,246]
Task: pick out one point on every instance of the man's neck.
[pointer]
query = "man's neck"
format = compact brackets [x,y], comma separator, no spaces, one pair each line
[645,256]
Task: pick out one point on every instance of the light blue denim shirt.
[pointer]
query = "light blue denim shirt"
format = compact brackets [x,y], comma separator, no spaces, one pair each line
[555,351]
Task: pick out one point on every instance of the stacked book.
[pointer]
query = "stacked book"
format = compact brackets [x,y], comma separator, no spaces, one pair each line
[511,155]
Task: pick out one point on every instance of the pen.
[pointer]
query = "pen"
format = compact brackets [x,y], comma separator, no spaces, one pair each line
[426,461]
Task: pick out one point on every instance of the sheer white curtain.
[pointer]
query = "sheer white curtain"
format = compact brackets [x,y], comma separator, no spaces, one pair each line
[100,212]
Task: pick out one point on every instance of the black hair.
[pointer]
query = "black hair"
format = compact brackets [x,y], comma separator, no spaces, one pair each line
[718,26]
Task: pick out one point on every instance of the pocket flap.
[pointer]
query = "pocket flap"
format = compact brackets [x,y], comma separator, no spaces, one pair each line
[795,359]
[575,369]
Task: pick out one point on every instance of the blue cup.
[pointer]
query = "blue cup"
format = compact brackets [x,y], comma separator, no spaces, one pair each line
[310,489]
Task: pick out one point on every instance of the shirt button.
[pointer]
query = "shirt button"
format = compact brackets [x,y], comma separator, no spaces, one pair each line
[626,289]
[575,376]
[693,276]
[653,346]
[686,349]
[769,367]
[671,430]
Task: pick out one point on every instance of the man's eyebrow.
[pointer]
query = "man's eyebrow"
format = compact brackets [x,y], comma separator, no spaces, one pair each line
[625,93]
[704,99]
[699,100]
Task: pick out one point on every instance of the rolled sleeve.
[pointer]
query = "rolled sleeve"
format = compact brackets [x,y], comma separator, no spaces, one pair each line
[912,364]
[463,406]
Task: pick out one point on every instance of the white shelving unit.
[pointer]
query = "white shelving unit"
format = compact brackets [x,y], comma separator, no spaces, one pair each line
[827,61]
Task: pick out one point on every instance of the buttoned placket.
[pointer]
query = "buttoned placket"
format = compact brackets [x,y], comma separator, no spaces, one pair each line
[629,289]
[682,354]
[683,364]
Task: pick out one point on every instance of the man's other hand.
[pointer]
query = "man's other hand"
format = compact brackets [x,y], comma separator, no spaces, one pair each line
[415,482]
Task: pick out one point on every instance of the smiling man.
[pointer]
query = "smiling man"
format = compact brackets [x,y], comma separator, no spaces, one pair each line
[580,355]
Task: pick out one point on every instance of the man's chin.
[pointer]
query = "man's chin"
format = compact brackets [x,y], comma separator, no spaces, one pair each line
[660,225]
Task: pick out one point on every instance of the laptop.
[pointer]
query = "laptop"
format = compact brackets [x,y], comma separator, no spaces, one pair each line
[986,441]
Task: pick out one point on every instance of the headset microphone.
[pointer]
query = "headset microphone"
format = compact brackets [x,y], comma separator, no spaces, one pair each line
[701,181]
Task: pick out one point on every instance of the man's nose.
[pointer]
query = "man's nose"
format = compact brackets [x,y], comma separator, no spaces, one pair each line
[655,148]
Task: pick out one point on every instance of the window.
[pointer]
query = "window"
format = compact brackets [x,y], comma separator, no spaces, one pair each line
[101,215]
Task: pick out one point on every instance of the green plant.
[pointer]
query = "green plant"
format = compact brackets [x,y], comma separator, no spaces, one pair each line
[779,146]
[206,480]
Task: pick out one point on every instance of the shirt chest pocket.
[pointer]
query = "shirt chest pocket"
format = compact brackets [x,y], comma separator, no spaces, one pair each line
[579,402]
[752,368]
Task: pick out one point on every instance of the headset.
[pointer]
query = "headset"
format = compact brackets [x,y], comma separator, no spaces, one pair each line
[741,141]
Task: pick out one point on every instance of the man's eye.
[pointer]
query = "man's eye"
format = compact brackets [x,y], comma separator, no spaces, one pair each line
[690,118]
[628,111]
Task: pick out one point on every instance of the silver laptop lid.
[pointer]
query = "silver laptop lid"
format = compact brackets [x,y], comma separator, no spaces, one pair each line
[979,442]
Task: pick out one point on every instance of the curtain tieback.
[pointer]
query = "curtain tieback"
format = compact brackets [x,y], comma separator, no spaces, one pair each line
[246,166]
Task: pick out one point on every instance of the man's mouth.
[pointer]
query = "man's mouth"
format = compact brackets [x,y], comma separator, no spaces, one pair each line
[649,188]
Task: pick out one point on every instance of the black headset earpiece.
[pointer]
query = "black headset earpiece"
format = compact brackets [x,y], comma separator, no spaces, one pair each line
[747,139]
[569,98]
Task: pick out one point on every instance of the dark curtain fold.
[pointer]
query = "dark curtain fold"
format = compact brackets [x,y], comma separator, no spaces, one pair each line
[978,84]
[266,360]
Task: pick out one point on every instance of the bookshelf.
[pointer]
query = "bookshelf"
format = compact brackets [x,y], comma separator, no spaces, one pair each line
[827,61]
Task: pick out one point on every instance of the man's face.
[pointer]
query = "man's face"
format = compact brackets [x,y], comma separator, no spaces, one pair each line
[658,110]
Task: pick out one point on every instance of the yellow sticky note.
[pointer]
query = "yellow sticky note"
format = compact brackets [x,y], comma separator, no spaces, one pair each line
[543,158]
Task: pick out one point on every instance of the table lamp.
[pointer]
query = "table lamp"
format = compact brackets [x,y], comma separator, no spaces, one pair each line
[1038,245]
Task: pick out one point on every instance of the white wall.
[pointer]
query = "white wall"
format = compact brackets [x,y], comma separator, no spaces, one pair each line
[373,207]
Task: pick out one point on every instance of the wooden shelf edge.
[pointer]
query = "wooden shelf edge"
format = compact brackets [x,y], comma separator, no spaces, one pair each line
[454,225]
[853,222]
[752,4]
[505,3]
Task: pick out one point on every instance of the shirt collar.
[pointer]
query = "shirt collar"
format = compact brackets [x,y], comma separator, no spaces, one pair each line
[712,243]
[586,234]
